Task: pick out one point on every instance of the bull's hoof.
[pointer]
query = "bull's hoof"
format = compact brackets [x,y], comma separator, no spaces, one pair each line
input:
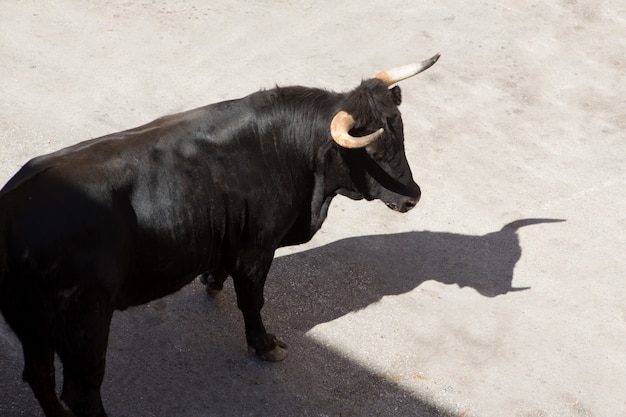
[212,285]
[276,354]
[212,291]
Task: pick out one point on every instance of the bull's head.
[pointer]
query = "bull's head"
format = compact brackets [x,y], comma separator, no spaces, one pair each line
[376,160]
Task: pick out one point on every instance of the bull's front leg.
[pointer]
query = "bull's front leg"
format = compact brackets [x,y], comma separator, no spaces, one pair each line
[249,281]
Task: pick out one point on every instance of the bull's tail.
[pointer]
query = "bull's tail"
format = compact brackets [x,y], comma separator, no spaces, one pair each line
[514,226]
[4,267]
[3,263]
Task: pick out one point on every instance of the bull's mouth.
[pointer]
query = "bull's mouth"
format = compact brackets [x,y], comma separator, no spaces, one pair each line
[405,196]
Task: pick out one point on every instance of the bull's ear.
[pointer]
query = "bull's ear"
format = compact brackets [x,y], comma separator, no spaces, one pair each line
[396,95]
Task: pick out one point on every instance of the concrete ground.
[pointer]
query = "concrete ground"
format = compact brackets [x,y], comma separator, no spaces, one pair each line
[443,311]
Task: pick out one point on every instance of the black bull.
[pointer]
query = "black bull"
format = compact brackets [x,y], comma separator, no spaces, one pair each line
[123,219]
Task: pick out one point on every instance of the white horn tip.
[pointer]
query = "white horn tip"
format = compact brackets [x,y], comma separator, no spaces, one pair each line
[398,74]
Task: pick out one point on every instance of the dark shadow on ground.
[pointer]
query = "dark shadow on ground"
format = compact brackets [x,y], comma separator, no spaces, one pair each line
[185,355]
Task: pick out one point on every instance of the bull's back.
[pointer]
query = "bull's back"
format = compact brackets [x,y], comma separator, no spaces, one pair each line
[140,212]
[145,210]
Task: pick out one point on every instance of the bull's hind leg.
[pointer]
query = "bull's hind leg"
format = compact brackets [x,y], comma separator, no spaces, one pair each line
[82,349]
[249,279]
[37,347]
[39,373]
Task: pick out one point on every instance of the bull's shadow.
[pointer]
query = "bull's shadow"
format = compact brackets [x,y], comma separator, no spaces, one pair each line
[184,356]
[350,274]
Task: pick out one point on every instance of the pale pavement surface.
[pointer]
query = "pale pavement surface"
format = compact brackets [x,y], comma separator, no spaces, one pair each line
[439,312]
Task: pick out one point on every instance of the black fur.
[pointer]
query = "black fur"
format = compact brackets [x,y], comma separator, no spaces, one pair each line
[126,218]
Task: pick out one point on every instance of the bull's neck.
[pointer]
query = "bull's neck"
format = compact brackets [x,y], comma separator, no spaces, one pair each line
[303,116]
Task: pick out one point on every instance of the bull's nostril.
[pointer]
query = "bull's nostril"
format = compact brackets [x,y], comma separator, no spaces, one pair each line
[408,205]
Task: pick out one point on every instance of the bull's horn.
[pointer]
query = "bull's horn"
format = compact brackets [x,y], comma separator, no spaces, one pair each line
[341,125]
[398,74]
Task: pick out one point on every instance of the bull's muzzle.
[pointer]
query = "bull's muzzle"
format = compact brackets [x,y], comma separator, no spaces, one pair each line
[404,203]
